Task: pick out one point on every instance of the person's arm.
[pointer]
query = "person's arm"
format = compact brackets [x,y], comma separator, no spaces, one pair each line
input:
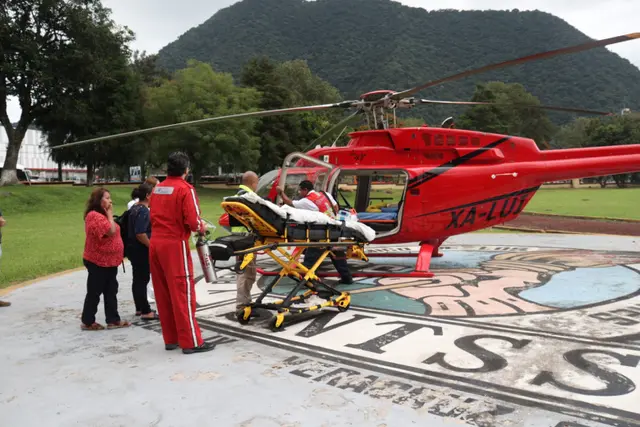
[100,226]
[144,239]
[112,222]
[191,211]
[285,199]
[140,226]
[2,220]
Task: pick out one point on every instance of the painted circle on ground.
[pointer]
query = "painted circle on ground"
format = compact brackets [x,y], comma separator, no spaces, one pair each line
[474,281]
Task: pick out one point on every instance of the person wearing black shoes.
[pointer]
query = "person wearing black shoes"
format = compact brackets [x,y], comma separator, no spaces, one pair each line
[175,214]
[137,250]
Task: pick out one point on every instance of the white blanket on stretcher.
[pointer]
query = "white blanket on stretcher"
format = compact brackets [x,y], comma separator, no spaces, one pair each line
[311,217]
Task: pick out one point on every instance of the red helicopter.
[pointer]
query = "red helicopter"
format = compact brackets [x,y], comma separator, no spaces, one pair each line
[431,183]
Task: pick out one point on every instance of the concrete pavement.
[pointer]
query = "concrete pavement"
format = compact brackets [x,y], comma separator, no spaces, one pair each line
[515,330]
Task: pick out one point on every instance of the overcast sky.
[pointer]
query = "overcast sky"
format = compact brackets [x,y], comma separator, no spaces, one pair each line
[159,22]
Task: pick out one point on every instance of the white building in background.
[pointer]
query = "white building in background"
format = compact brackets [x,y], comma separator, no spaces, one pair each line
[34,156]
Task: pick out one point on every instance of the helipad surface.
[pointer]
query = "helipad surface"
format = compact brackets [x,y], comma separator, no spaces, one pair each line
[514,330]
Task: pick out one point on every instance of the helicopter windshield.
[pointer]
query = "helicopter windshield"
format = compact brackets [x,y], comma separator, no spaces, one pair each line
[266,182]
[299,166]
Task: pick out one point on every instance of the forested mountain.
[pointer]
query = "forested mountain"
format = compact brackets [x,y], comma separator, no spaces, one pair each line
[364,45]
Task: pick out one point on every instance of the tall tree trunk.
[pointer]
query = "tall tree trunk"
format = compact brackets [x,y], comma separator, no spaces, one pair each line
[196,176]
[621,180]
[9,175]
[90,173]
[60,171]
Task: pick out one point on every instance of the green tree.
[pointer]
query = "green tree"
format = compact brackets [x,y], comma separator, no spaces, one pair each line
[575,134]
[505,119]
[139,152]
[198,92]
[111,107]
[601,132]
[146,66]
[409,122]
[285,85]
[51,51]
[618,130]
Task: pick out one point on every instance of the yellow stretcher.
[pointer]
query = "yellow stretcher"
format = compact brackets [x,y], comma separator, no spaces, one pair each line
[274,235]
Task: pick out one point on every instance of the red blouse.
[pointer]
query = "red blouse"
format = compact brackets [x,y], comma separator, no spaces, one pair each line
[100,249]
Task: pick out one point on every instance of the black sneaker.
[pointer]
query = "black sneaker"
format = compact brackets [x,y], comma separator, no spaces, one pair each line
[207,346]
[170,346]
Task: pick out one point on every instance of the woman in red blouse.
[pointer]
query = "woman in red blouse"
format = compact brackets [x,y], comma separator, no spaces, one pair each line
[103,253]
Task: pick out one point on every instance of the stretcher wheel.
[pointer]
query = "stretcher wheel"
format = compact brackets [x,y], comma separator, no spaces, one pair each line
[277,322]
[244,315]
[344,304]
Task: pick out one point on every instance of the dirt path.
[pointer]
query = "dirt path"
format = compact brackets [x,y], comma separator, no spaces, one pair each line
[529,221]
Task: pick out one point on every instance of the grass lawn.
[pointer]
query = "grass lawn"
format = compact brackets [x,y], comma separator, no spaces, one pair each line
[594,202]
[45,230]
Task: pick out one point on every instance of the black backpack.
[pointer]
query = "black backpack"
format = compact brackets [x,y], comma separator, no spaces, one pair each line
[123,222]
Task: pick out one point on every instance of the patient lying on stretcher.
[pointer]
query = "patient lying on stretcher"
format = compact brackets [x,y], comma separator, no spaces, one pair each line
[301,216]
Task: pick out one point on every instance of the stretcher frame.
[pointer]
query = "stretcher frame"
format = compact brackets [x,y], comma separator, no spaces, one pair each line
[272,243]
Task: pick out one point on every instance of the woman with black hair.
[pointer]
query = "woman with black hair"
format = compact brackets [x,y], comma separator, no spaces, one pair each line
[138,250]
[102,255]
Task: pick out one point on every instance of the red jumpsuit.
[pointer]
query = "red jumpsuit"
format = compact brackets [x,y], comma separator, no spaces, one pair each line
[175,214]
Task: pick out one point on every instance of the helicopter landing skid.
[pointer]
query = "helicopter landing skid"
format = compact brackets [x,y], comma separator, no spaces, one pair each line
[427,251]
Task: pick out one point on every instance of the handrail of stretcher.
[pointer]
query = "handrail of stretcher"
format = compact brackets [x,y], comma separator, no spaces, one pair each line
[276,245]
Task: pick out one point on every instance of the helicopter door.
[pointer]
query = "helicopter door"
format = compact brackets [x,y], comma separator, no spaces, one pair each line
[298,167]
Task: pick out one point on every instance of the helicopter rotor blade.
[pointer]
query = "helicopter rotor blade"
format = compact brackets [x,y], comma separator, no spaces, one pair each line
[353,118]
[543,107]
[343,104]
[543,55]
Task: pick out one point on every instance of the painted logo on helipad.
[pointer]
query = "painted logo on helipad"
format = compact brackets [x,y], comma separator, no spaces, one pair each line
[495,281]
[555,329]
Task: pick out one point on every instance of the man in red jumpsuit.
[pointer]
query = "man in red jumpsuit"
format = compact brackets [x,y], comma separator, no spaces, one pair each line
[175,214]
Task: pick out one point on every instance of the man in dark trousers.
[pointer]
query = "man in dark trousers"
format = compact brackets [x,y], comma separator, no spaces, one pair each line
[175,214]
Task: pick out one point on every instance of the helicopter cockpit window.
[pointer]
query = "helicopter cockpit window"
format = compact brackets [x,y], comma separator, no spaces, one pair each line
[292,184]
[265,183]
[319,183]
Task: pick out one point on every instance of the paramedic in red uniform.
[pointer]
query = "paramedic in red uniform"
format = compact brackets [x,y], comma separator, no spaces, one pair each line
[175,214]
[321,202]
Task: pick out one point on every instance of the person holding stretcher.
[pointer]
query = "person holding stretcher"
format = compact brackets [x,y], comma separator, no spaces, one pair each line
[175,214]
[324,203]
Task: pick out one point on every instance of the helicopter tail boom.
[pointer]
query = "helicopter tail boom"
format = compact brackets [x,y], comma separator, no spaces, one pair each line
[577,163]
